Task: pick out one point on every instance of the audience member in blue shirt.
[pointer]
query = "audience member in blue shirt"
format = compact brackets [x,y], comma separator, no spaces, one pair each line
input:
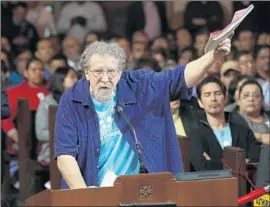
[94,144]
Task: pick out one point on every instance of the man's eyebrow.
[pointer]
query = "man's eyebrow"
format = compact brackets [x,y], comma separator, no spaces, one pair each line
[212,92]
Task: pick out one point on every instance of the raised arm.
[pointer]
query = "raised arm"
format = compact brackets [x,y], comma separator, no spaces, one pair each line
[196,69]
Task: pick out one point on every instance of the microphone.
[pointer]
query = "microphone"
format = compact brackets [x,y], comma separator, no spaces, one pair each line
[253,195]
[137,143]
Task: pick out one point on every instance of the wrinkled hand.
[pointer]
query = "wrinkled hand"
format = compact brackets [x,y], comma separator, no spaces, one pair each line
[223,49]
[206,156]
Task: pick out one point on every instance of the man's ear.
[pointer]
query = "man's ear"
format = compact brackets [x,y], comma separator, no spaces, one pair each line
[200,103]
[86,75]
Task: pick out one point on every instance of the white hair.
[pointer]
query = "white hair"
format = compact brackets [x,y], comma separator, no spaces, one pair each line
[103,48]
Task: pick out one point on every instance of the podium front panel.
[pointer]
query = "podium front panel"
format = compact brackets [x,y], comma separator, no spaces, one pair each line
[212,192]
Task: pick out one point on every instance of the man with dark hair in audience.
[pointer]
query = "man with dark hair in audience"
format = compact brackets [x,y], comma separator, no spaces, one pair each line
[262,59]
[72,50]
[201,38]
[140,36]
[57,61]
[16,77]
[183,39]
[246,62]
[123,42]
[44,52]
[245,40]
[138,50]
[218,129]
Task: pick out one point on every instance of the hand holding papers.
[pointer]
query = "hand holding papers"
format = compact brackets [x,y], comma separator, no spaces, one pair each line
[217,37]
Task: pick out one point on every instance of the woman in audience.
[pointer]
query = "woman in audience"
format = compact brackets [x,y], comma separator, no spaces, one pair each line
[233,91]
[61,79]
[251,108]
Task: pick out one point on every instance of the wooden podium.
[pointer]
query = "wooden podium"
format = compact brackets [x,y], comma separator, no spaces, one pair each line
[158,189]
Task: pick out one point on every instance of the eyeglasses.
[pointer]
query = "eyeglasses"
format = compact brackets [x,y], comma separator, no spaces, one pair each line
[247,95]
[100,73]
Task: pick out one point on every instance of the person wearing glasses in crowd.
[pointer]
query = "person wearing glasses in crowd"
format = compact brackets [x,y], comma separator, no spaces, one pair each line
[251,108]
[94,142]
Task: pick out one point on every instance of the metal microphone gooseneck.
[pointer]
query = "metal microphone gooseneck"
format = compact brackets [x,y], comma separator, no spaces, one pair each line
[137,143]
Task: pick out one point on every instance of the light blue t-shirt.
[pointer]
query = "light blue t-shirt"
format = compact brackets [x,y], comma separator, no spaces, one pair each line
[224,136]
[116,155]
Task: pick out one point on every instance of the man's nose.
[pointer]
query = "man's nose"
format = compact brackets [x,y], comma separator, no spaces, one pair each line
[105,77]
[213,97]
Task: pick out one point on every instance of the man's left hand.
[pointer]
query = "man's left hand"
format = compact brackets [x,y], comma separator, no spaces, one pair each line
[223,49]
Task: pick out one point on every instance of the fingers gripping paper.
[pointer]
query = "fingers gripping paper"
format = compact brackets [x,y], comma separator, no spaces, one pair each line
[217,37]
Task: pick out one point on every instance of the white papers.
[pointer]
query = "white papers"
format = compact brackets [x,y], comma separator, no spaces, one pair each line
[108,179]
[217,37]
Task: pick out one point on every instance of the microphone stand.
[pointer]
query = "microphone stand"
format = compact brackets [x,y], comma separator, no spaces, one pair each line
[137,143]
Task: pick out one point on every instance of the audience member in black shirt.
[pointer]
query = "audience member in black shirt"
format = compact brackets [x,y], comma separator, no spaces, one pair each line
[218,129]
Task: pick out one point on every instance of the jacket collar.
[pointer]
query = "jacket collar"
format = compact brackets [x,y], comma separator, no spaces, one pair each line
[81,93]
[228,118]
[233,127]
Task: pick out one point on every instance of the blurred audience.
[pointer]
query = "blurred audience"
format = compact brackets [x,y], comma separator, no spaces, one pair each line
[161,57]
[19,31]
[147,63]
[42,18]
[149,16]
[200,14]
[81,17]
[262,56]
[62,79]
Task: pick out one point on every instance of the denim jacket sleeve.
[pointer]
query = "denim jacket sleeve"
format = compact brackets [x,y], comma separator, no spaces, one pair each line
[175,81]
[65,128]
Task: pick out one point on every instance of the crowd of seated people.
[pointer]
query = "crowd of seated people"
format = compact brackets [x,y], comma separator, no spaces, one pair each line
[230,107]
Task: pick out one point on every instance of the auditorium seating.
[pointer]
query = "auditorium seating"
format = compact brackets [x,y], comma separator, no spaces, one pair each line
[31,173]
[55,176]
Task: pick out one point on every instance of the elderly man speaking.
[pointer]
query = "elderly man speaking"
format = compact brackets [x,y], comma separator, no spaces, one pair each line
[116,122]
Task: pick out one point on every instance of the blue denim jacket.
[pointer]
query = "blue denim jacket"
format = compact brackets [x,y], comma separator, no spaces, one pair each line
[145,97]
